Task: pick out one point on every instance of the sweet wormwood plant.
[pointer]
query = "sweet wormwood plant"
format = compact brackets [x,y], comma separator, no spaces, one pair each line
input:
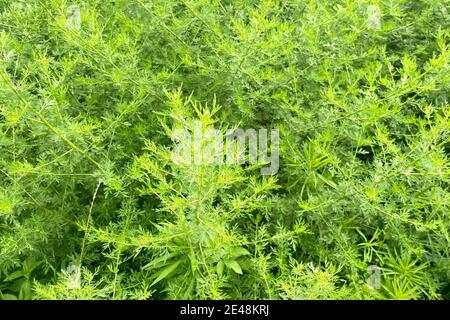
[93,207]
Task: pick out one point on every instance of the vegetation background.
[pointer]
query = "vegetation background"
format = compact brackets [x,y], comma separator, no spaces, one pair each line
[92,207]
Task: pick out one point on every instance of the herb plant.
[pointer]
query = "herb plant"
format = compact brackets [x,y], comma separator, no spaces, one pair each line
[92,205]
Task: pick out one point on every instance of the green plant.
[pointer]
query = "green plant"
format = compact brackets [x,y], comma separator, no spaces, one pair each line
[92,205]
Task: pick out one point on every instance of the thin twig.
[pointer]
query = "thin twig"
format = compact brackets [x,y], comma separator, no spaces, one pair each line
[88,223]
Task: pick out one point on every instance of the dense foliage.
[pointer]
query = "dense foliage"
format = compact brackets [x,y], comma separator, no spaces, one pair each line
[93,207]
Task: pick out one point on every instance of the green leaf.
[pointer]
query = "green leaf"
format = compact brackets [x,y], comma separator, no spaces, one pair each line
[239,251]
[159,262]
[25,291]
[15,275]
[7,296]
[234,265]
[29,265]
[219,268]
[167,271]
